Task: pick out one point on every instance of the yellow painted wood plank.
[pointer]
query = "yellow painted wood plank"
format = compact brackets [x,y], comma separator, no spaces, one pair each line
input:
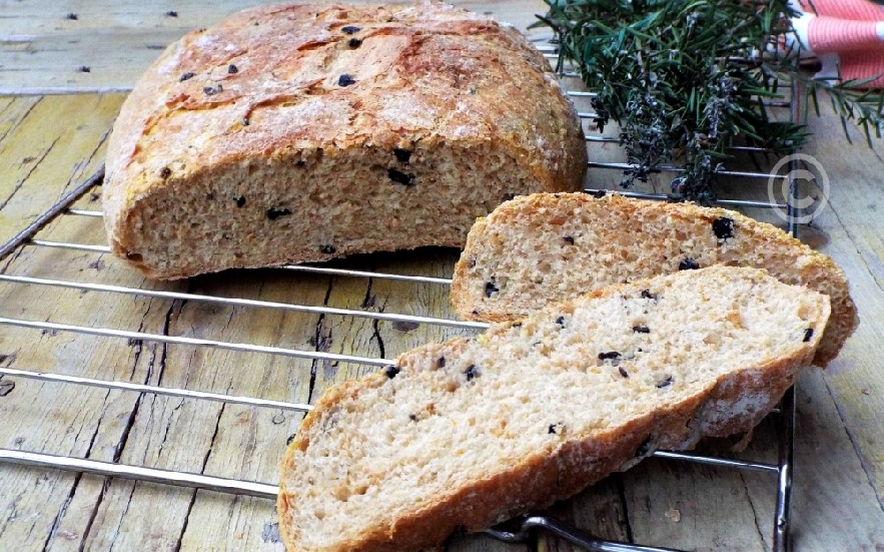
[13,111]
[249,443]
[39,147]
[168,428]
[50,145]
[224,440]
[59,419]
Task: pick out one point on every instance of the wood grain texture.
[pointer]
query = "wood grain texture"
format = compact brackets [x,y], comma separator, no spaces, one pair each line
[104,46]
[853,220]
[599,511]
[48,144]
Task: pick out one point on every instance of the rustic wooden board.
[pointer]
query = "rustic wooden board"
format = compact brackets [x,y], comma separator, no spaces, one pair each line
[854,224]
[599,511]
[105,45]
[48,144]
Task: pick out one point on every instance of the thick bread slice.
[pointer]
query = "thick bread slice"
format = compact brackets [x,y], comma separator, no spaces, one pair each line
[301,133]
[548,247]
[473,431]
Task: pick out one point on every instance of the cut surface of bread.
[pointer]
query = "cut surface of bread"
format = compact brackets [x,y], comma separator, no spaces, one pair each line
[294,133]
[468,433]
[548,247]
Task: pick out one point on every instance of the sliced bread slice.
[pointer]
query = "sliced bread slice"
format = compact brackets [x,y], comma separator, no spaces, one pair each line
[471,432]
[544,248]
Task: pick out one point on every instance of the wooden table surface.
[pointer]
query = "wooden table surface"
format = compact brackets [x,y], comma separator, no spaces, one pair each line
[64,71]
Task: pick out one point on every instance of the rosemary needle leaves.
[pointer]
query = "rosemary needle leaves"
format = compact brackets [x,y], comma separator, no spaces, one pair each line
[685,78]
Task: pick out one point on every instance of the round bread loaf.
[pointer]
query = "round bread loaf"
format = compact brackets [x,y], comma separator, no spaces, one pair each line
[295,133]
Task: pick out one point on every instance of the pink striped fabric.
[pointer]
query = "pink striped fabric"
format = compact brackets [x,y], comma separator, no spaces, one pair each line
[853,10]
[829,34]
[849,31]
[862,66]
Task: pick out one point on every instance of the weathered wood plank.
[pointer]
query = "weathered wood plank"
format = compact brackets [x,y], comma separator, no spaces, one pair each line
[249,442]
[852,221]
[110,43]
[72,421]
[42,141]
[37,147]
[49,144]
[219,439]
[115,415]
[834,502]
[688,506]
[483,543]
[599,511]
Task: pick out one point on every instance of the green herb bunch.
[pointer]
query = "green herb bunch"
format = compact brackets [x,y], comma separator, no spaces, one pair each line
[684,79]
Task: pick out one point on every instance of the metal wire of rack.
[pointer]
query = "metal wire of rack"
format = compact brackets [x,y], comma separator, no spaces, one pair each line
[30,238]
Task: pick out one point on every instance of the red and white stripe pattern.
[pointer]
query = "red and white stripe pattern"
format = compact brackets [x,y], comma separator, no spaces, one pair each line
[846,35]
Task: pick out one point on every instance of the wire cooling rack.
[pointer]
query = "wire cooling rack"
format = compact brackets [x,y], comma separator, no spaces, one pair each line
[31,237]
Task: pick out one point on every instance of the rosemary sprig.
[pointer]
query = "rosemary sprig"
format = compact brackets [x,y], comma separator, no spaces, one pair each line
[685,78]
[865,108]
